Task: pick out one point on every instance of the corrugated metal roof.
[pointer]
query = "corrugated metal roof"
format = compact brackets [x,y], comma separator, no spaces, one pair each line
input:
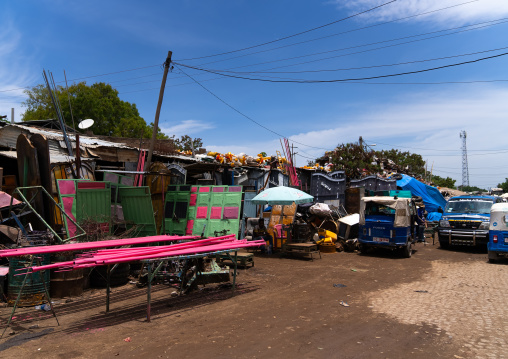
[54,157]
[58,136]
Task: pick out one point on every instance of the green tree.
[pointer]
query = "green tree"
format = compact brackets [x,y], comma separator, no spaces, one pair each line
[160,135]
[443,182]
[472,189]
[408,163]
[186,143]
[100,102]
[354,160]
[504,185]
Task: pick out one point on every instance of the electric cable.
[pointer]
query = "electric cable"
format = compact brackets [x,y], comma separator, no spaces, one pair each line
[244,115]
[352,79]
[483,25]
[491,23]
[366,67]
[345,82]
[336,34]
[294,35]
[426,149]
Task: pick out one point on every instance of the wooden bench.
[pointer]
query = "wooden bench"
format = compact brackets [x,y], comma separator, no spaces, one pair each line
[301,249]
[242,259]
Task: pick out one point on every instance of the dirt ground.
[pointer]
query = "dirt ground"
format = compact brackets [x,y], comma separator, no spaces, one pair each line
[283,307]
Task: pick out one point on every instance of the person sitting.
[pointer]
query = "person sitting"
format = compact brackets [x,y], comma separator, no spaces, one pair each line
[260,232]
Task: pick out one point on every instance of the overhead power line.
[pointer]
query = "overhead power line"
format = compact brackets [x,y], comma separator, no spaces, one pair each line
[350,79]
[426,149]
[348,82]
[365,67]
[244,115]
[468,28]
[294,35]
[337,34]
[485,24]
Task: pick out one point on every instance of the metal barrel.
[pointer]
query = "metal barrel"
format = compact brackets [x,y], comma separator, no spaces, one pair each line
[33,293]
[68,283]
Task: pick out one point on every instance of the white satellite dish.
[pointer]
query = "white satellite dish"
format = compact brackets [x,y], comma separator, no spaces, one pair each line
[85,123]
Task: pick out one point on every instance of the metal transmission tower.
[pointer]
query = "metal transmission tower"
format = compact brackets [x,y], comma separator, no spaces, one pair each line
[465,170]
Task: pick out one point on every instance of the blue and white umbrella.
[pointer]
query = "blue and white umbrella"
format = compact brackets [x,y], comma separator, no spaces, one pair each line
[282,195]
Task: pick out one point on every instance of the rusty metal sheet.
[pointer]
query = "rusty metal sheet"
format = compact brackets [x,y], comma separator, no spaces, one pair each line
[41,144]
[29,176]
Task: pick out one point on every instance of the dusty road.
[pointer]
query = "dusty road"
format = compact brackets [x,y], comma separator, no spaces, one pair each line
[439,304]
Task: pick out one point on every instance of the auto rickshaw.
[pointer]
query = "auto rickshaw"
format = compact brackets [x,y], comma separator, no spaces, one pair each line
[498,232]
[387,222]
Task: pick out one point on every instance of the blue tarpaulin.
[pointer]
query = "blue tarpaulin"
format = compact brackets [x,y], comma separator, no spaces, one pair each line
[432,198]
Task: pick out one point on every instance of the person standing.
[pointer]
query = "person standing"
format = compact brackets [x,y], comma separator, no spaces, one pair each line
[260,232]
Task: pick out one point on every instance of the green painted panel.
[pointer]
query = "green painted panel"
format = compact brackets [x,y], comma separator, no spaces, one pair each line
[216,199]
[176,210]
[191,214]
[212,205]
[95,205]
[137,210]
[67,196]
[203,199]
[198,227]
[232,199]
[215,228]
[117,181]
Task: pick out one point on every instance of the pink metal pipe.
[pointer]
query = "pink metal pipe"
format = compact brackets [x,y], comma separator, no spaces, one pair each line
[129,252]
[135,252]
[141,250]
[182,252]
[90,245]
[172,254]
[194,243]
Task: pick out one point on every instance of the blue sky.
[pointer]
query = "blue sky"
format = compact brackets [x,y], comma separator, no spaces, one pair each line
[422,113]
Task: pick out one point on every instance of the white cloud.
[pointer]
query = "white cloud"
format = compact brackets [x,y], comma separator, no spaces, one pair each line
[187,127]
[478,10]
[428,123]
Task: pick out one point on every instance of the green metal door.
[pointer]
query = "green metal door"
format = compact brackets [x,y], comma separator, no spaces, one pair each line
[94,205]
[138,210]
[176,210]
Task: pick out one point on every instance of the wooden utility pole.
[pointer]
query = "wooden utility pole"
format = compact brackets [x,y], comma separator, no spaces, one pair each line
[158,112]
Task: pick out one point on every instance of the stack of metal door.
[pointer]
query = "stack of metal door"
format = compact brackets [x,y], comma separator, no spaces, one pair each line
[214,210]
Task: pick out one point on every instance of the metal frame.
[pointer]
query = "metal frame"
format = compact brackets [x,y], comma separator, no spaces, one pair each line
[41,274]
[152,274]
[27,204]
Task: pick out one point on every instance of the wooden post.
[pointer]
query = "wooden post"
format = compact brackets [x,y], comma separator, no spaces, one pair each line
[157,113]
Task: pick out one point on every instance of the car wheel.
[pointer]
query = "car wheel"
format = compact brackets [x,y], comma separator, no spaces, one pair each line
[443,243]
[493,257]
[363,249]
[407,251]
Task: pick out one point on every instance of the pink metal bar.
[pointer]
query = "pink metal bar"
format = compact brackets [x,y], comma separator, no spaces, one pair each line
[131,252]
[153,255]
[90,245]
